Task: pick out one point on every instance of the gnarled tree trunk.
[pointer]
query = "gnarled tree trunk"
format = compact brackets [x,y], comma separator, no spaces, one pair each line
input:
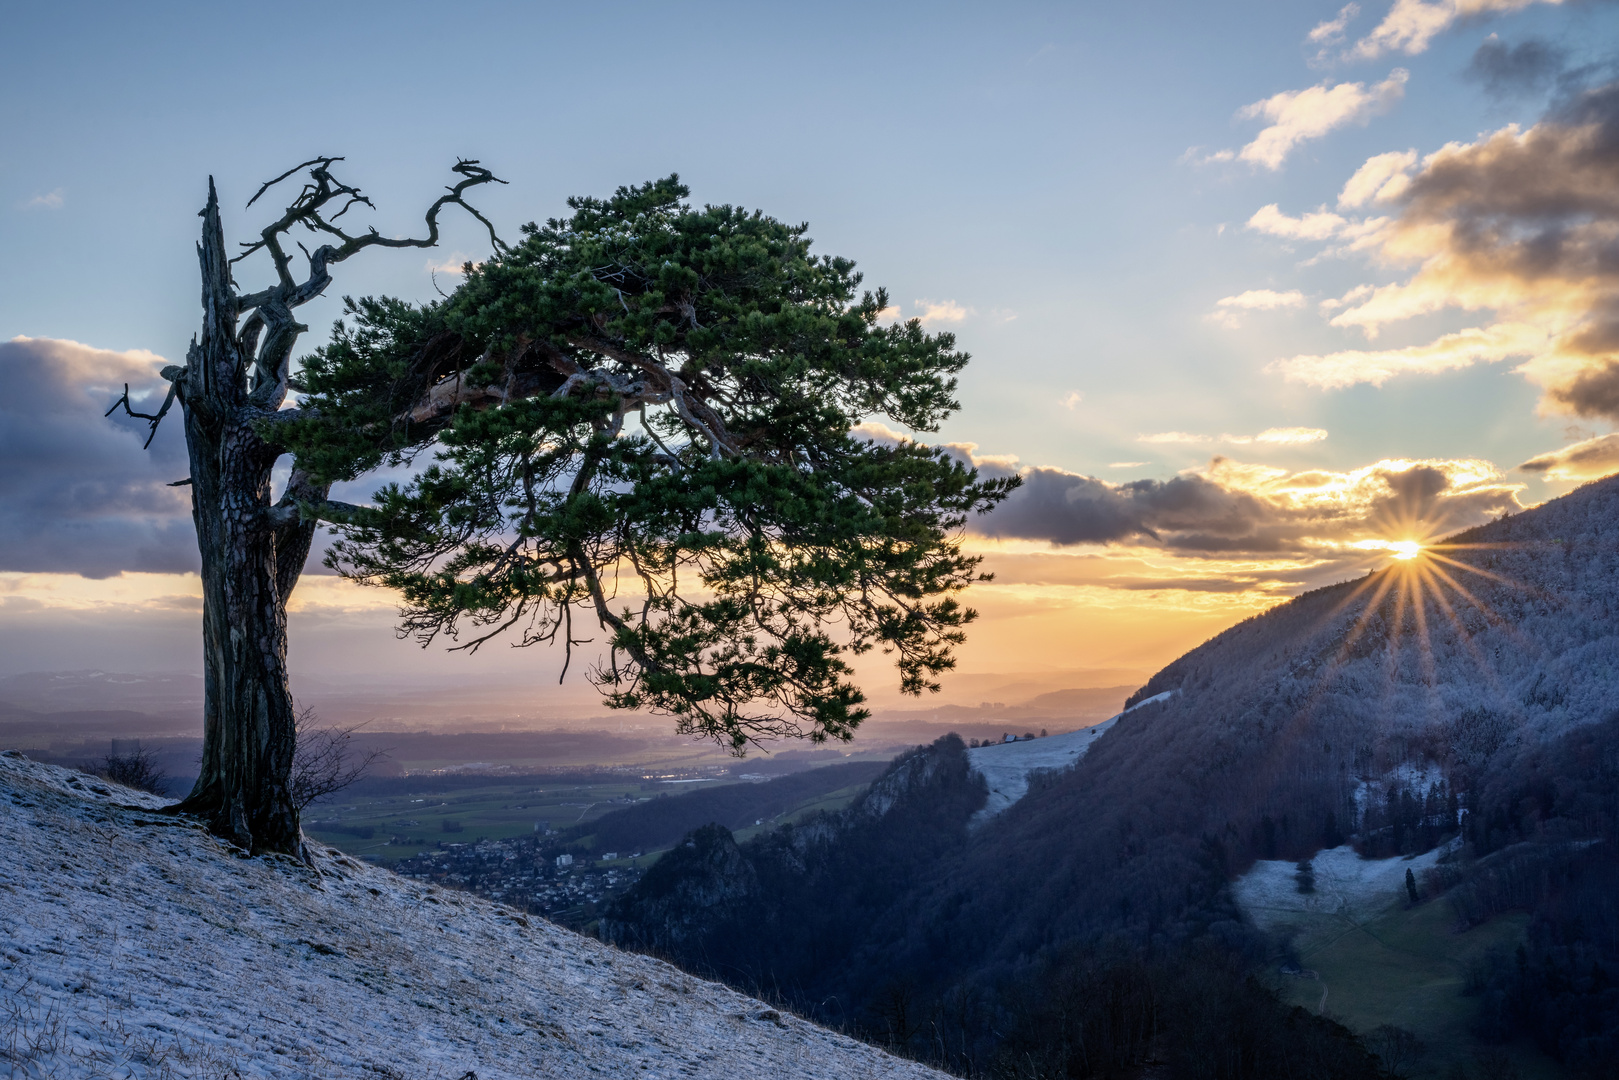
[250,562]
[233,385]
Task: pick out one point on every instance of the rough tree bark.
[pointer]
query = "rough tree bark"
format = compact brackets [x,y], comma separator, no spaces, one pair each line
[231,391]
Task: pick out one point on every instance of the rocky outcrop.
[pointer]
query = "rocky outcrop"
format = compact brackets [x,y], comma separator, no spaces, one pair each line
[714,905]
[704,881]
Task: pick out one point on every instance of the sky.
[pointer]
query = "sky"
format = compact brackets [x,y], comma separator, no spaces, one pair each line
[1253,290]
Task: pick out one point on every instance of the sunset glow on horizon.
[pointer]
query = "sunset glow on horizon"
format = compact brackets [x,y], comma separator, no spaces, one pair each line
[1282,316]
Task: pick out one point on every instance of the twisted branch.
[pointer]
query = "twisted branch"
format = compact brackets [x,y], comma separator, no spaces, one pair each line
[271,308]
[152,419]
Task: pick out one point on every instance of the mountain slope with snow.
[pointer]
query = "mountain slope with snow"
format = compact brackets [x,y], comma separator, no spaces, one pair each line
[134,944]
[1007,767]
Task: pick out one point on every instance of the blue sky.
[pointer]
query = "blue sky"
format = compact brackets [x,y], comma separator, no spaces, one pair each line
[1064,186]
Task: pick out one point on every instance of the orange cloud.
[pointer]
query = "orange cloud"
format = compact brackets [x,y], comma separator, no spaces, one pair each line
[1591,459]
[1521,224]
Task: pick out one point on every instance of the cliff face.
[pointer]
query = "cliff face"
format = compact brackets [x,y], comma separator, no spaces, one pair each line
[704,882]
[135,944]
[786,906]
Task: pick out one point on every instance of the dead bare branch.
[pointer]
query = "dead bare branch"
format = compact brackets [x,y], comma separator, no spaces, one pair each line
[324,763]
[154,419]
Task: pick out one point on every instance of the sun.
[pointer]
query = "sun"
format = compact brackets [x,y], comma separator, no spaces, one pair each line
[1399,549]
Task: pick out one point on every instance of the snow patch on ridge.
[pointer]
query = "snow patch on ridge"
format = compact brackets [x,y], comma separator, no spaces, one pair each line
[1007,767]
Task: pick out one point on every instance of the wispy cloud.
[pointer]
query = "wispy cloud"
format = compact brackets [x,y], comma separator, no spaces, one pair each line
[1411,25]
[941,311]
[1587,460]
[1381,179]
[1288,436]
[1451,352]
[1228,310]
[1074,398]
[1299,115]
[1277,436]
[1126,464]
[453,263]
[1353,296]
[51,200]
[1174,437]
[1332,30]
[1316,225]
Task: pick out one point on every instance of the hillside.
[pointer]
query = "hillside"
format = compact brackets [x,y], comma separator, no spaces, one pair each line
[1465,698]
[136,945]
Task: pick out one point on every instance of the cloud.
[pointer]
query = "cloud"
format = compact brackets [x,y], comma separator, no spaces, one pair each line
[1332,31]
[1588,460]
[1450,352]
[1298,115]
[1380,179]
[1322,224]
[78,494]
[1230,527]
[1228,309]
[1353,296]
[1523,224]
[1282,436]
[1125,464]
[942,311]
[1507,71]
[1411,25]
[1233,508]
[1173,437]
[1290,436]
[1073,399]
[453,263]
[51,200]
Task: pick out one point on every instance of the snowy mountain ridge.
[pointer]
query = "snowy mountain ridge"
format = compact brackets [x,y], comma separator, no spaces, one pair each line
[1499,638]
[134,944]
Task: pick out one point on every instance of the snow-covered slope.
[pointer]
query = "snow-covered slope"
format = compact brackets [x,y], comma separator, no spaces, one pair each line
[1505,635]
[136,945]
[1346,885]
[1007,766]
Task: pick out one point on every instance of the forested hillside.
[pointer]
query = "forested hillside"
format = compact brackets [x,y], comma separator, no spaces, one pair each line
[1467,692]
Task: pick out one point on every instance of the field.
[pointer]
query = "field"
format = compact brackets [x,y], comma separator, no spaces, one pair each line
[1369,958]
[401,819]
[398,818]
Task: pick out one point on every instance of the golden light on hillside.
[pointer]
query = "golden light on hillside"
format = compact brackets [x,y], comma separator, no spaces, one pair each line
[1411,593]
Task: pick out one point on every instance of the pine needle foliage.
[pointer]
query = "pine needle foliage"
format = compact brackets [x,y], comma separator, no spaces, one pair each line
[643,424]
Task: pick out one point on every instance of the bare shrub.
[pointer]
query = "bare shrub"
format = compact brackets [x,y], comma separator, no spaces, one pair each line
[1397,1047]
[137,769]
[324,761]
